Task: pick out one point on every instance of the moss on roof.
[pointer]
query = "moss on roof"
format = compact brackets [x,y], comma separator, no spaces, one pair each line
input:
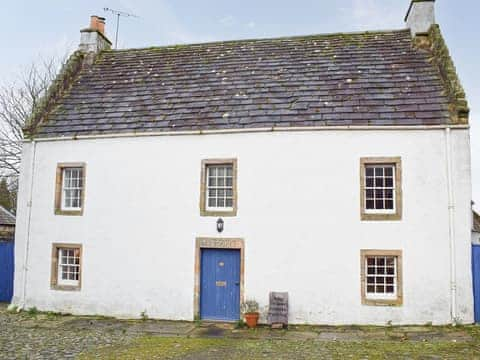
[347,79]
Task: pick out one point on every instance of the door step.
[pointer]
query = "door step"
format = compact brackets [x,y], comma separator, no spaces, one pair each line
[218,324]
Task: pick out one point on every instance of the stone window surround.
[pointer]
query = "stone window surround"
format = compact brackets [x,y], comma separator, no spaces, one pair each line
[59,188]
[203,188]
[54,267]
[216,243]
[397,215]
[398,301]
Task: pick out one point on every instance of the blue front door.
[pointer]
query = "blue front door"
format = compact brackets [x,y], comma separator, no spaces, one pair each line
[220,284]
[476,280]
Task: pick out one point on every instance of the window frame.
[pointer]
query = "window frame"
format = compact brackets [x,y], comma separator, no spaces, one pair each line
[204,209]
[59,193]
[395,299]
[208,187]
[55,284]
[381,214]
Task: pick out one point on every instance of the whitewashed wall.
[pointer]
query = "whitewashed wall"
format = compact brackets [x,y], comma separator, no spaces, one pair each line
[298,211]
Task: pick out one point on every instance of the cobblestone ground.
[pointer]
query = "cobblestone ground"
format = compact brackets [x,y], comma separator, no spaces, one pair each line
[32,335]
[24,336]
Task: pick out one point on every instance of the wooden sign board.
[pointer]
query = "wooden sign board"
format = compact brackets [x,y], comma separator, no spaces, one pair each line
[278,309]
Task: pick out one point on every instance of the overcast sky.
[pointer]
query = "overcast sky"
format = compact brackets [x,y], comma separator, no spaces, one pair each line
[33,29]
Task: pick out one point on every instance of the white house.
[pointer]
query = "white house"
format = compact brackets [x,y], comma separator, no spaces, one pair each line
[182,180]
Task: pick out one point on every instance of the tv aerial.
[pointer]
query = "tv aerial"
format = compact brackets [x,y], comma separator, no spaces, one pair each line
[118,13]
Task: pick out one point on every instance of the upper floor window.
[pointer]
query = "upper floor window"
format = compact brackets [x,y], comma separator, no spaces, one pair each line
[380,188]
[218,188]
[70,189]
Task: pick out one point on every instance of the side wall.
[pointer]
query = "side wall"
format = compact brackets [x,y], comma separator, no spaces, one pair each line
[298,212]
[462,203]
[22,225]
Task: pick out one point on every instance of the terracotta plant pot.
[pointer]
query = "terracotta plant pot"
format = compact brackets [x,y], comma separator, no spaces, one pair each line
[252,319]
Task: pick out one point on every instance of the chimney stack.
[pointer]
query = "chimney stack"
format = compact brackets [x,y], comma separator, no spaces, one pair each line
[420,16]
[93,39]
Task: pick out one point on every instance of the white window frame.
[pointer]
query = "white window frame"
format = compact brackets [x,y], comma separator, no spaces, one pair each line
[380,211]
[64,189]
[208,187]
[382,296]
[68,282]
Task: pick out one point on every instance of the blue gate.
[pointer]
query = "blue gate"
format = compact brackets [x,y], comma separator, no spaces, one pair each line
[220,284]
[6,270]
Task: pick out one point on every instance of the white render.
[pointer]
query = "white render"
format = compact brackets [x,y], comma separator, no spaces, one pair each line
[92,41]
[298,212]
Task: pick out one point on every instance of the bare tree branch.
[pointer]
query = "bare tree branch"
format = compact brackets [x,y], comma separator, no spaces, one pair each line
[17,103]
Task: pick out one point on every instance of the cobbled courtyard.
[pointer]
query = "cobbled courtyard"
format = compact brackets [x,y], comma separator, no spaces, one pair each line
[33,335]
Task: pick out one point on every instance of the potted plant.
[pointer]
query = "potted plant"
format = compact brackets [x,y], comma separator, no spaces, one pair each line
[250,313]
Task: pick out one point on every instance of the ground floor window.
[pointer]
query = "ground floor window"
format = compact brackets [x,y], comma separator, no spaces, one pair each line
[66,266]
[381,277]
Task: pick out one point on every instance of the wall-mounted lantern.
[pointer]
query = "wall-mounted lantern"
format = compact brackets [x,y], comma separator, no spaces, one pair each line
[220,225]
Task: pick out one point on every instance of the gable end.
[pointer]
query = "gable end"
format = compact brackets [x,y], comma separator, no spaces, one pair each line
[59,87]
[434,42]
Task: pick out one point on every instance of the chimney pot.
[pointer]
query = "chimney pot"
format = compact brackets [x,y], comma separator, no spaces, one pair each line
[97,23]
[420,16]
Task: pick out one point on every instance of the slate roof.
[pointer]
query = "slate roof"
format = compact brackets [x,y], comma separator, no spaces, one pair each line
[476,222]
[372,78]
[6,218]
